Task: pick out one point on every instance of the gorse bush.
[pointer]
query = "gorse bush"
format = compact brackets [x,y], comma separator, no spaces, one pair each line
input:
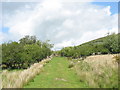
[22,54]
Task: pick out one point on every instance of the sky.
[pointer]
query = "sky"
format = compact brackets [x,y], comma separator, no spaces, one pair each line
[63,23]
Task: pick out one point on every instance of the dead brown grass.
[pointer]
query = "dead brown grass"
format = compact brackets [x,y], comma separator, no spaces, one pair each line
[17,79]
[98,71]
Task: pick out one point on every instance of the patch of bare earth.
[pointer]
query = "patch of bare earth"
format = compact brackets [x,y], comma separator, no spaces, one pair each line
[60,79]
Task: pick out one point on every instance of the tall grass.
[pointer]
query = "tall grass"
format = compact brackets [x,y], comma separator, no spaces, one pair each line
[98,71]
[17,79]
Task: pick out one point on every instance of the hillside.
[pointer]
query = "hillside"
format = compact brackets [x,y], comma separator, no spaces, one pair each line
[104,45]
[102,39]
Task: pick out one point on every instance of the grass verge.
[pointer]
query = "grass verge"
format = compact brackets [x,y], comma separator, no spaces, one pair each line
[17,79]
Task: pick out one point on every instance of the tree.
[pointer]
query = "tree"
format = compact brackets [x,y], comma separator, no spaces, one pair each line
[28,40]
[24,53]
[112,43]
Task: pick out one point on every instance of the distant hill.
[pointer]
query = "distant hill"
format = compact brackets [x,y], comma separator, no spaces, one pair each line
[104,45]
[102,39]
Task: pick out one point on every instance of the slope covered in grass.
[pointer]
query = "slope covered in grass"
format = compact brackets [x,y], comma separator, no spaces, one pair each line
[56,74]
[104,45]
[99,71]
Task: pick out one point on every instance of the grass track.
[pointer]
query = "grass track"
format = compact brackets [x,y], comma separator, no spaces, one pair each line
[56,74]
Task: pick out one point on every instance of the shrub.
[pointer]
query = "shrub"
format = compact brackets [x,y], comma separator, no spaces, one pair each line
[117,58]
[22,54]
[71,65]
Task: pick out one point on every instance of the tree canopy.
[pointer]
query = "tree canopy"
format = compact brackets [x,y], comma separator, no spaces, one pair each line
[25,52]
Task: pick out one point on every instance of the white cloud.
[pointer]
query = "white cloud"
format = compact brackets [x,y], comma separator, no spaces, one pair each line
[65,24]
[61,0]
[50,0]
[48,5]
[68,24]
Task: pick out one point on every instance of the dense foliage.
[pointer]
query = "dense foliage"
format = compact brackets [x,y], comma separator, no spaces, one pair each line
[105,45]
[24,53]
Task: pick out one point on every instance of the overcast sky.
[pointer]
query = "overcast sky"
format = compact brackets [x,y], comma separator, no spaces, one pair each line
[63,23]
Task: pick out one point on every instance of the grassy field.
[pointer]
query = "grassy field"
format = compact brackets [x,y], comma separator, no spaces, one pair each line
[56,74]
[99,71]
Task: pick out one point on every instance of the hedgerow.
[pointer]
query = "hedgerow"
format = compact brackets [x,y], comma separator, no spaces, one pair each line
[22,54]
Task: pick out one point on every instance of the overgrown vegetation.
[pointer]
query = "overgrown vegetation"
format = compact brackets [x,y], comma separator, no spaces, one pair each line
[19,78]
[98,71]
[105,45]
[22,54]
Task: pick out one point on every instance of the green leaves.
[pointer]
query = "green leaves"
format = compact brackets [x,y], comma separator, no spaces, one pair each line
[108,44]
[112,43]
[23,54]
[28,40]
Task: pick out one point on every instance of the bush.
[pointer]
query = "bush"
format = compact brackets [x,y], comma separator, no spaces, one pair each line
[22,54]
[117,58]
[71,65]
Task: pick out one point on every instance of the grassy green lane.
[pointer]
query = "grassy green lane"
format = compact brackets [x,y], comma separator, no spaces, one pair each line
[56,74]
